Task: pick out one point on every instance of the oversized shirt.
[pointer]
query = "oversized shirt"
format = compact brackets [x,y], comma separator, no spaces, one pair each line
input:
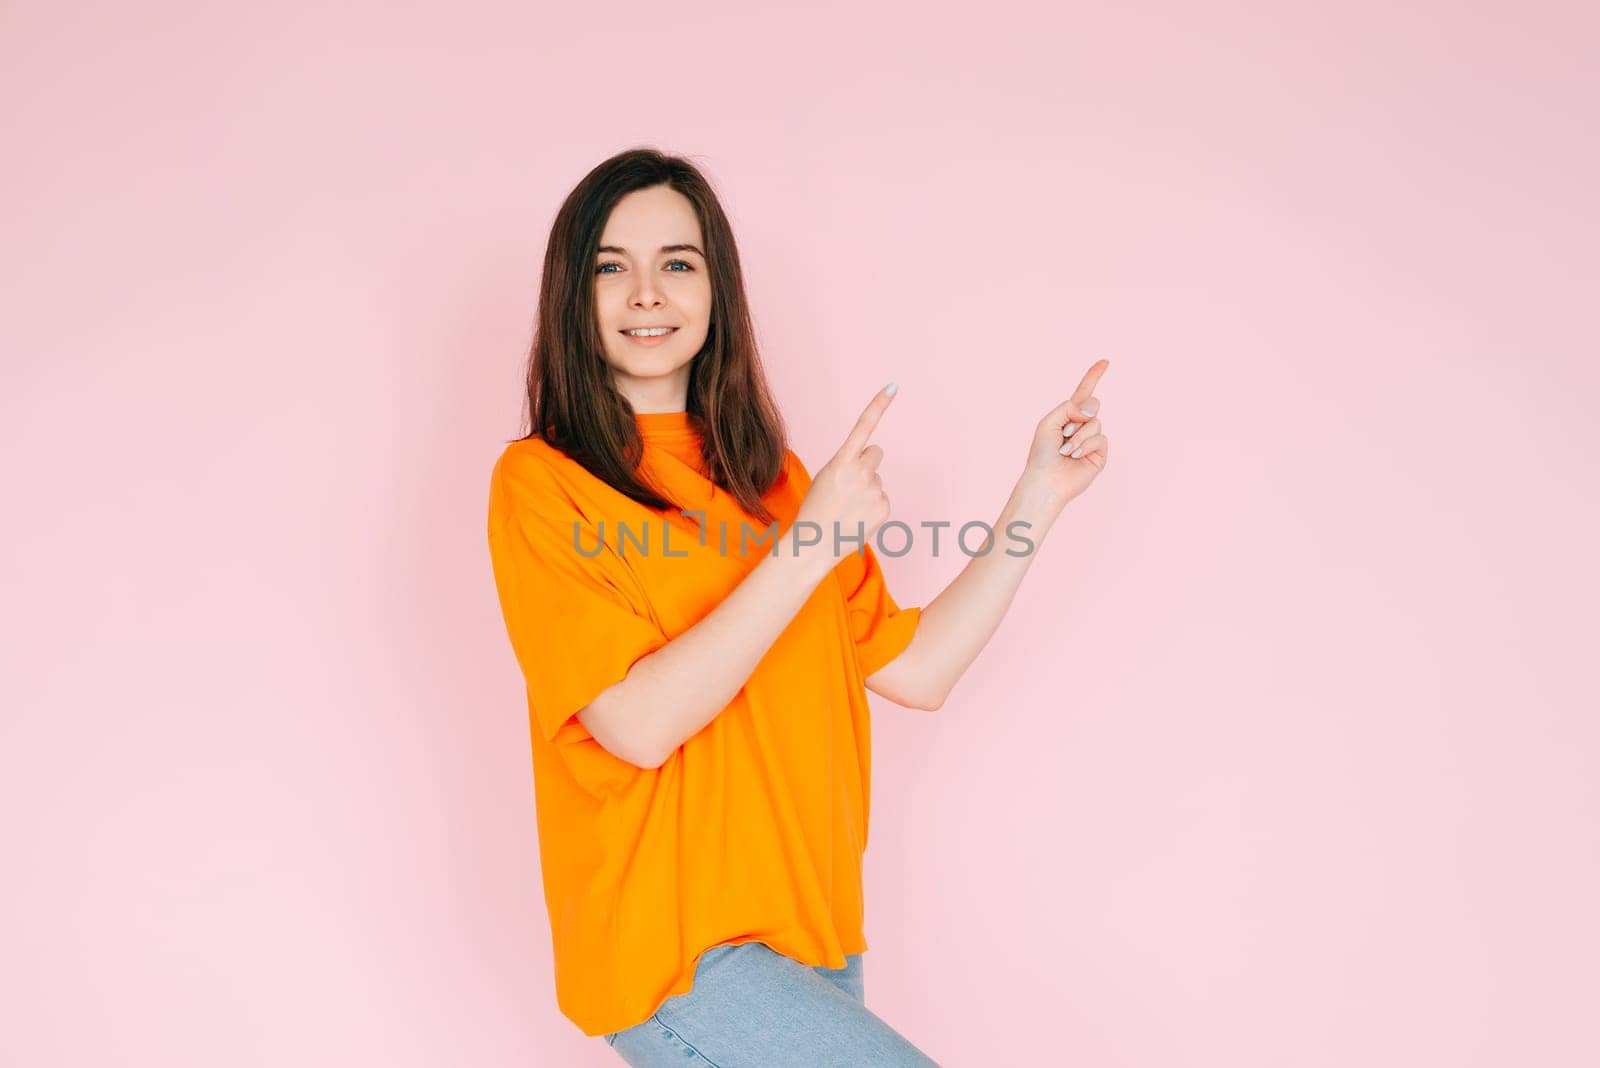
[754,828]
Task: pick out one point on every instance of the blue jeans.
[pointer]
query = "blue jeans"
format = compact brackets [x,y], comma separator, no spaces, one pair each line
[752,1007]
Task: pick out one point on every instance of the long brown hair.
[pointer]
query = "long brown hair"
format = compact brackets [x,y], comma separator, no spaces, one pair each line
[572,401]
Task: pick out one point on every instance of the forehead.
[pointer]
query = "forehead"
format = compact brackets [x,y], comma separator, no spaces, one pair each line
[646,219]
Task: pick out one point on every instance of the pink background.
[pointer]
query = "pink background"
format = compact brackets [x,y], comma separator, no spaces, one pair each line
[1286,752]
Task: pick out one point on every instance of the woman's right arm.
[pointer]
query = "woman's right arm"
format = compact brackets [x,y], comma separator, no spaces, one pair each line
[670,694]
[673,692]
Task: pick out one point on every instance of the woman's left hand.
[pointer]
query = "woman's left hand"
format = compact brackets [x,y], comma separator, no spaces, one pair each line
[1069,446]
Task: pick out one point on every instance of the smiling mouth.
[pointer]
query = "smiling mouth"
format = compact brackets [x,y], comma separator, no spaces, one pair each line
[655,331]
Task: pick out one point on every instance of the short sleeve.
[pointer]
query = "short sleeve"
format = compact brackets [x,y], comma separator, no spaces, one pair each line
[573,625]
[880,627]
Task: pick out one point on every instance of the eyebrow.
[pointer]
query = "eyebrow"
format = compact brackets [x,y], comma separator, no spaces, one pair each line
[664,248]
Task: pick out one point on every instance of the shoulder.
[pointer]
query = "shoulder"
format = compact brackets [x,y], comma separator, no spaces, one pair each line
[538,463]
[796,469]
[531,473]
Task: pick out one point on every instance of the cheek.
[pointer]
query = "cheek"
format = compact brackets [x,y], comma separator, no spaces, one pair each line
[702,303]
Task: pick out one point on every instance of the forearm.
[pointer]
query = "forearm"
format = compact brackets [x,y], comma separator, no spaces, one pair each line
[958,623]
[668,696]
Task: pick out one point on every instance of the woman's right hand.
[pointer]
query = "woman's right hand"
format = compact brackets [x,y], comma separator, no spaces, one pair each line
[846,501]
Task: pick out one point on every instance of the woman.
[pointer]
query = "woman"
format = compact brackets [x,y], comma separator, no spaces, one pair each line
[696,672]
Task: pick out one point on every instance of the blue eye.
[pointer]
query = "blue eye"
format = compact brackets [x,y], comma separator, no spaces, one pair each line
[683,263]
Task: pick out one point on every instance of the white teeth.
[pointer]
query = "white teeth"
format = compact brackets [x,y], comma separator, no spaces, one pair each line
[655,331]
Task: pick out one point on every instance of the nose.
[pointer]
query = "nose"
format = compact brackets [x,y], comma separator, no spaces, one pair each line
[645,293]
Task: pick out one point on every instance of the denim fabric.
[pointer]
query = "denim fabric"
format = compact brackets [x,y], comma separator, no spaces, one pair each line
[751,1007]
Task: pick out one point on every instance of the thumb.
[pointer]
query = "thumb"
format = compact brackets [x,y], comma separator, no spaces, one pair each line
[1066,412]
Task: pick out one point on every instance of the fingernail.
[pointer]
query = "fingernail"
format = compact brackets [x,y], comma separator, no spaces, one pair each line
[1077,452]
[1090,408]
[1070,429]
[890,389]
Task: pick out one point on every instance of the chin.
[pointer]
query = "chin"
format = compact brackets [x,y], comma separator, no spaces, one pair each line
[653,365]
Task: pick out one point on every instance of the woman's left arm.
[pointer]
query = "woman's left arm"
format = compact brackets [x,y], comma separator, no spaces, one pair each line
[1068,452]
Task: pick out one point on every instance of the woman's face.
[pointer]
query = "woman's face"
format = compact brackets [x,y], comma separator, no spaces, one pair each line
[651,272]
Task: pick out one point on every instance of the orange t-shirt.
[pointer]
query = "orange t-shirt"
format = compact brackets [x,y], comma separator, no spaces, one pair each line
[753,829]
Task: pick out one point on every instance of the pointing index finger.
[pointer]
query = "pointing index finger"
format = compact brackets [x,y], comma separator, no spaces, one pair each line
[856,440]
[1091,378]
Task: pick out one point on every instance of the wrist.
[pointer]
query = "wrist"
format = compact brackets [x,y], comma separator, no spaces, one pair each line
[808,561]
[1033,503]
[814,561]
